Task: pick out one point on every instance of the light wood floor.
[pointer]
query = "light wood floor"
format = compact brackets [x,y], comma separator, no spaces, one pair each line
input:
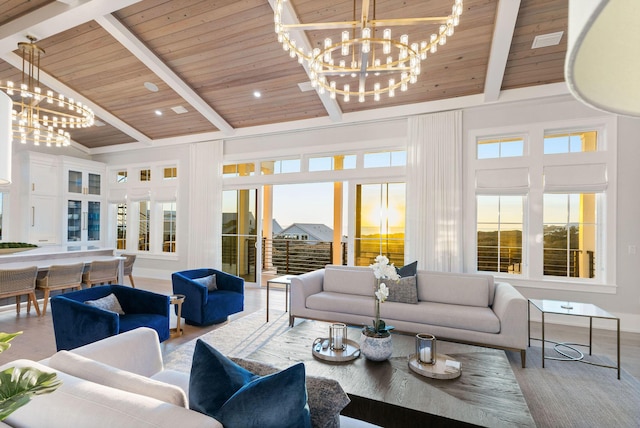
[37,341]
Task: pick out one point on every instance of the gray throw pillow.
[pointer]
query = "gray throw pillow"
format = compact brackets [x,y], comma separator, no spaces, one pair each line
[208,281]
[404,290]
[108,303]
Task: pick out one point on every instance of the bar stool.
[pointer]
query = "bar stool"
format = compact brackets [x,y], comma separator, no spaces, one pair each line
[101,272]
[60,277]
[20,282]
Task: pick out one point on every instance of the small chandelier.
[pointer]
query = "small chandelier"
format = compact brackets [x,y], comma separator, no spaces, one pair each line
[342,67]
[38,117]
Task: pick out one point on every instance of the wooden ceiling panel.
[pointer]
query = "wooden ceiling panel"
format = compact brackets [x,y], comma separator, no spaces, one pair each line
[527,66]
[224,50]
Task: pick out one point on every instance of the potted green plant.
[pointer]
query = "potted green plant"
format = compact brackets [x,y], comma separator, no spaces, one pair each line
[19,384]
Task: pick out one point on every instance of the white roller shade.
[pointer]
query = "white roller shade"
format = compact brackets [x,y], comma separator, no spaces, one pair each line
[139,194]
[513,181]
[117,195]
[575,178]
[165,194]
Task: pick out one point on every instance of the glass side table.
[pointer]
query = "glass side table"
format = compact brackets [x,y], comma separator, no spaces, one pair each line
[177,299]
[567,350]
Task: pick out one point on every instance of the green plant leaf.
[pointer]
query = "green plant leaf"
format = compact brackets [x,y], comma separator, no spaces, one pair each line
[19,384]
[5,338]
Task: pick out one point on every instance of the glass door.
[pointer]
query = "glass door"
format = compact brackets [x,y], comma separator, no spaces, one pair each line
[74,221]
[240,233]
[93,222]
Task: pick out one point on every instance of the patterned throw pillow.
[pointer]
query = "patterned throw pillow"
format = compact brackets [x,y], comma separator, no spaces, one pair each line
[108,303]
[208,281]
[404,290]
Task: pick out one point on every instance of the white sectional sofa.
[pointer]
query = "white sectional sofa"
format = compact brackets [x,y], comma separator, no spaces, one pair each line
[469,308]
[119,381]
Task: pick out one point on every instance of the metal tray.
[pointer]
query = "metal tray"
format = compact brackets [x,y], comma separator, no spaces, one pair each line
[435,371]
[351,353]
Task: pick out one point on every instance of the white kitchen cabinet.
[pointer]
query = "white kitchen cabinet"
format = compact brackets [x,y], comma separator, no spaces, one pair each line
[40,199]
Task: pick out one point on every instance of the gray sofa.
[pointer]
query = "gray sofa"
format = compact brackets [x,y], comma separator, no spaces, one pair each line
[469,308]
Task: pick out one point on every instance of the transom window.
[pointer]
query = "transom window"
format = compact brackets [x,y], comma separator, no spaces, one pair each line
[170,173]
[238,170]
[284,166]
[332,163]
[571,142]
[492,148]
[385,159]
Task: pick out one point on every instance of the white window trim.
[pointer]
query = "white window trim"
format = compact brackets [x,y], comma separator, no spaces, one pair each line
[535,160]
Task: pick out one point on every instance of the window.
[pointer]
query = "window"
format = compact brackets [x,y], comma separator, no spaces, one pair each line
[332,163]
[121,226]
[284,166]
[121,177]
[143,225]
[571,142]
[492,148]
[385,159]
[499,228]
[238,170]
[145,175]
[549,215]
[570,234]
[380,222]
[169,227]
[170,173]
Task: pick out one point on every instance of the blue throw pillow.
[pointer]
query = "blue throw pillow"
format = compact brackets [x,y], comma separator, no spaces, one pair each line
[220,388]
[408,270]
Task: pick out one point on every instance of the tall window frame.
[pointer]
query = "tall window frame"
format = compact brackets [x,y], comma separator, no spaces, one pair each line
[535,174]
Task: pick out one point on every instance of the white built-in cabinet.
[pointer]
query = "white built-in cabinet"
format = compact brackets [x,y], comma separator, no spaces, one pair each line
[82,188]
[62,200]
[40,199]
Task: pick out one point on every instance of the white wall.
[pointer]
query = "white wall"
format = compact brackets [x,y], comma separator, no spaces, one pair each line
[624,303]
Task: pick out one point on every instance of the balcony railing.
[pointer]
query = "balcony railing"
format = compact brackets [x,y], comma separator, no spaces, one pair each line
[295,257]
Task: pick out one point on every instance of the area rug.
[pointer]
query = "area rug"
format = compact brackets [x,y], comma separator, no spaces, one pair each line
[572,394]
[239,338]
[561,395]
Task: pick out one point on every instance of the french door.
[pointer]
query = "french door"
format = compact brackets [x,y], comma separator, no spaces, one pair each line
[240,232]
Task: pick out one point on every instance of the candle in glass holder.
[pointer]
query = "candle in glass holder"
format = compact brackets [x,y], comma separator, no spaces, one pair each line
[338,336]
[426,348]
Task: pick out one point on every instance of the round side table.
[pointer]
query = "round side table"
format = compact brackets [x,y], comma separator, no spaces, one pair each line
[177,299]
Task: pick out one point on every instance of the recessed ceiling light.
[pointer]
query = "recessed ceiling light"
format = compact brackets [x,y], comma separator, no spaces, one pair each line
[257,94]
[544,40]
[151,86]
[158,113]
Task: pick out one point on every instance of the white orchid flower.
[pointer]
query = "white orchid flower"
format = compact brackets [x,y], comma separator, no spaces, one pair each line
[382,293]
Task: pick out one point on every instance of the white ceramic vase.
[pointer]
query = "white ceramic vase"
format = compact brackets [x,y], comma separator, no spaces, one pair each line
[376,348]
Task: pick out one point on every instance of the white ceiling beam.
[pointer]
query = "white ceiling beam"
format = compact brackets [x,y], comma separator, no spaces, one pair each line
[289,16]
[56,85]
[506,17]
[155,64]
[55,18]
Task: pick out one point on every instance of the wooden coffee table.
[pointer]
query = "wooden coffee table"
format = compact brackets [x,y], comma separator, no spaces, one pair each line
[391,395]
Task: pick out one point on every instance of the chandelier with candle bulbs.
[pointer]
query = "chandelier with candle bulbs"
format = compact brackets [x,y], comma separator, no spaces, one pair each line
[367,59]
[42,117]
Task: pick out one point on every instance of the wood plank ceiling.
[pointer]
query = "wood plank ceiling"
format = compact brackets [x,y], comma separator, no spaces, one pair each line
[210,56]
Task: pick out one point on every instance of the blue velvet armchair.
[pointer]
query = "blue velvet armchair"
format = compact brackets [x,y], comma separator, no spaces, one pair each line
[76,323]
[204,307]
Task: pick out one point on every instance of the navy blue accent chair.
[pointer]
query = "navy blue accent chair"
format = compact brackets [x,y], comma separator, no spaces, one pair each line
[76,323]
[204,307]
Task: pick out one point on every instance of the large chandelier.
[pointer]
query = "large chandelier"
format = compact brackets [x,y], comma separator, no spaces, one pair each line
[42,117]
[366,60]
